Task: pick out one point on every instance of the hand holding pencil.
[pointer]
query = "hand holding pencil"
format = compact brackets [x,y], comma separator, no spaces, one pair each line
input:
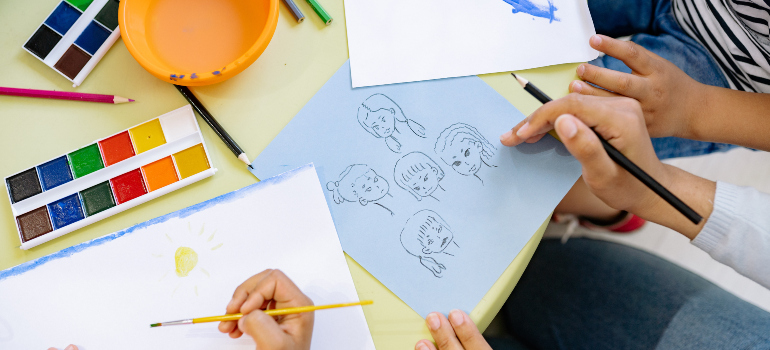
[580,121]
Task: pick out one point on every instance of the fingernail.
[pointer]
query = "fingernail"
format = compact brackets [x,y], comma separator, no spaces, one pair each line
[421,346]
[523,130]
[506,136]
[581,70]
[595,40]
[70,347]
[577,86]
[456,317]
[566,126]
[433,322]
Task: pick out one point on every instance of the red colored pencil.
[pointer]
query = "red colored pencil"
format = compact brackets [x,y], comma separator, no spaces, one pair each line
[64,95]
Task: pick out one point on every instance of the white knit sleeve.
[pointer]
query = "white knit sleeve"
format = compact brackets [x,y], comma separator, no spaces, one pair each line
[737,233]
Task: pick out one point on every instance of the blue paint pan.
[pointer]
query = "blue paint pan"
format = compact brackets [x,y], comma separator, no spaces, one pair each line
[54,173]
[63,17]
[66,211]
[92,37]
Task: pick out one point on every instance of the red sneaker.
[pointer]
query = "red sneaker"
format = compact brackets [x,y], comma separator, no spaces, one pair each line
[625,222]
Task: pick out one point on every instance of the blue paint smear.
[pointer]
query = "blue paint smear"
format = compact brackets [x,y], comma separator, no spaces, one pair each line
[66,211]
[63,17]
[526,6]
[92,38]
[55,173]
[181,214]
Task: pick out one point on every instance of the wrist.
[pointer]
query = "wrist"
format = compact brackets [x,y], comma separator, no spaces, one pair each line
[651,205]
[696,192]
[696,102]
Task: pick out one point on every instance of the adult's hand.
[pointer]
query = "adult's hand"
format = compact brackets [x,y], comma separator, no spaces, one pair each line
[669,98]
[456,333]
[620,121]
[270,289]
[69,347]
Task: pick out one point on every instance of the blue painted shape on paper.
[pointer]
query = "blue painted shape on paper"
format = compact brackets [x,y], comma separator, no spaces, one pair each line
[181,214]
[422,193]
[535,10]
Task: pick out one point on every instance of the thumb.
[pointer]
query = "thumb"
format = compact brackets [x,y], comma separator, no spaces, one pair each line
[263,329]
[584,145]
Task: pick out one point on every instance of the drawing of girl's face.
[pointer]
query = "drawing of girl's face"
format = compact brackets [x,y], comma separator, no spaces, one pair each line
[424,182]
[436,237]
[382,121]
[464,156]
[368,187]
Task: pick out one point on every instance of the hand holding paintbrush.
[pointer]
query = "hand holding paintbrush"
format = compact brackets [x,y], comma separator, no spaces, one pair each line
[271,309]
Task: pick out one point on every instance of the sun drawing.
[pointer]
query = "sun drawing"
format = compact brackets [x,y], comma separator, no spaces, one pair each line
[185,256]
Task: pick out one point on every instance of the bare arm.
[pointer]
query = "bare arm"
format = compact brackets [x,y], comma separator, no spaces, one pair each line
[729,116]
[675,104]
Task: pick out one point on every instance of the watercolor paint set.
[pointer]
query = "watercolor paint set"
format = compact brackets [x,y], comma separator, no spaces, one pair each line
[108,176]
[75,36]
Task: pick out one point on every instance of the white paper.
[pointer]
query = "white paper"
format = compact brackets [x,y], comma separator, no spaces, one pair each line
[399,41]
[104,294]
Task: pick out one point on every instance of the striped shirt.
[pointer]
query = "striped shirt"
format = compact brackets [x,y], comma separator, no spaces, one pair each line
[736,33]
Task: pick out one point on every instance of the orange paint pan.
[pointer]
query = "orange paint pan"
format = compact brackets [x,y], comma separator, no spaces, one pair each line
[197,42]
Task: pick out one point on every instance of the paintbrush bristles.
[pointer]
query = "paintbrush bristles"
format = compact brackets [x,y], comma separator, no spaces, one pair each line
[521,80]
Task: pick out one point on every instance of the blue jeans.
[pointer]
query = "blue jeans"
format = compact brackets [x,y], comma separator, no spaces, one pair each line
[652,25]
[589,294]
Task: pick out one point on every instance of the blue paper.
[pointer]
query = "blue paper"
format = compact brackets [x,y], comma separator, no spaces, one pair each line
[422,193]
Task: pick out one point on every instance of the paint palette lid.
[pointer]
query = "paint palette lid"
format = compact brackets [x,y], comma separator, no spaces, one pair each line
[197,42]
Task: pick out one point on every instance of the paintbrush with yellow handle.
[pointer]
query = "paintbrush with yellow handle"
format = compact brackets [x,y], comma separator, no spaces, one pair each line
[273,312]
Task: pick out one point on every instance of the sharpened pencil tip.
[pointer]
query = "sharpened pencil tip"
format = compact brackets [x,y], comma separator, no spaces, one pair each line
[130,100]
[251,166]
[155,325]
[523,82]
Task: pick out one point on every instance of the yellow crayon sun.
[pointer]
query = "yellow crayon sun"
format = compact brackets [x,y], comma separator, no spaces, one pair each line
[185,259]
[189,251]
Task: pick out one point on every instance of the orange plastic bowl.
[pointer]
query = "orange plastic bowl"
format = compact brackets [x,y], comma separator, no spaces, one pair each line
[197,42]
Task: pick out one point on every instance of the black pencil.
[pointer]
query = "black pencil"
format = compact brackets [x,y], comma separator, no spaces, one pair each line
[204,113]
[624,162]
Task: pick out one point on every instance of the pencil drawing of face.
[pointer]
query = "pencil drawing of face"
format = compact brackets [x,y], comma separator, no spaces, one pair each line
[381,122]
[463,148]
[434,235]
[426,236]
[358,183]
[418,174]
[383,118]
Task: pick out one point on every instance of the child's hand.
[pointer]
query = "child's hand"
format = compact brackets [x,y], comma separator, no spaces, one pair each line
[270,289]
[619,120]
[69,347]
[456,333]
[668,95]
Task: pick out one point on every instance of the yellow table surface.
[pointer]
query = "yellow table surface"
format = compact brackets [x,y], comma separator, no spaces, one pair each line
[253,106]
